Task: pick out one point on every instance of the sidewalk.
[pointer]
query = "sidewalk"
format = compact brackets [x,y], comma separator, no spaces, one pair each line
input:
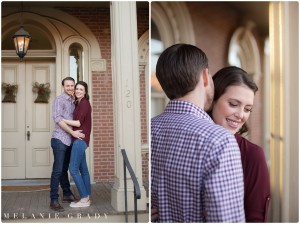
[33,206]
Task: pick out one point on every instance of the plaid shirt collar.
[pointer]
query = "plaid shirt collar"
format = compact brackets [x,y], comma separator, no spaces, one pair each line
[183,107]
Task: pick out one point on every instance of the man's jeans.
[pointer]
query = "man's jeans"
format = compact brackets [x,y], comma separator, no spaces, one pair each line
[60,168]
[79,169]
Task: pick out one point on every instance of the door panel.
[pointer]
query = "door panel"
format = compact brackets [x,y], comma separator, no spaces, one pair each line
[31,155]
[13,125]
[39,157]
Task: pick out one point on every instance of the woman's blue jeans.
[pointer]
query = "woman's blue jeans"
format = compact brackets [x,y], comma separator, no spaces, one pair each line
[79,169]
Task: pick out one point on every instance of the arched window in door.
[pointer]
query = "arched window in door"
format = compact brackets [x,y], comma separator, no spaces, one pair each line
[244,52]
[75,61]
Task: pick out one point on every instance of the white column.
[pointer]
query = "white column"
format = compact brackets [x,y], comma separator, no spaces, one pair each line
[284,151]
[290,62]
[127,123]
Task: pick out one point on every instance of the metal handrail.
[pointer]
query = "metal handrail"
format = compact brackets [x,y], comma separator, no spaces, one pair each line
[137,191]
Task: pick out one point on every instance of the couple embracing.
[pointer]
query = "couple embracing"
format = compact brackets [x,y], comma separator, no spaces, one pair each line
[70,139]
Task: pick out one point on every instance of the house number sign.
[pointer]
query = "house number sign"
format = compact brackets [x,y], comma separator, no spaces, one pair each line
[128,96]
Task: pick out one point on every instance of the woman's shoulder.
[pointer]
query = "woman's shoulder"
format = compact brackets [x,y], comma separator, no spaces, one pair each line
[84,102]
[250,149]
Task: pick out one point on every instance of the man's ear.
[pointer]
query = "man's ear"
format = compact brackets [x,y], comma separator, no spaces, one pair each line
[205,76]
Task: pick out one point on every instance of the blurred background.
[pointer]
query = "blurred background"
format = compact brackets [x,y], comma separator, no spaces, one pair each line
[263,39]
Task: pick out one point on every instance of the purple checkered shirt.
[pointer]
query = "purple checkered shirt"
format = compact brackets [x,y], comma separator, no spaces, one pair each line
[62,108]
[196,171]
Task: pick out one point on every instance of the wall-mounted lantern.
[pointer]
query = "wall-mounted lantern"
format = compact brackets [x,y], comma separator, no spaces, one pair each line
[21,40]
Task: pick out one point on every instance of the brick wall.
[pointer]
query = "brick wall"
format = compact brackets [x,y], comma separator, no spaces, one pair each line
[144,125]
[98,20]
[213,23]
[143,26]
[143,21]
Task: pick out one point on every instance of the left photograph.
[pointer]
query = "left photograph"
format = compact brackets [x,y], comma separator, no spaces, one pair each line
[75,135]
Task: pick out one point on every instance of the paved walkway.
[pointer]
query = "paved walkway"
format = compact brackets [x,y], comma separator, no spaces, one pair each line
[35,205]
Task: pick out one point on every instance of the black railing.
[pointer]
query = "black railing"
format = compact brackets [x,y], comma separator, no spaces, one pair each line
[137,191]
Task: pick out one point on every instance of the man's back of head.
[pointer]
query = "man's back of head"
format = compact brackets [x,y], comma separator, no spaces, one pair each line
[178,69]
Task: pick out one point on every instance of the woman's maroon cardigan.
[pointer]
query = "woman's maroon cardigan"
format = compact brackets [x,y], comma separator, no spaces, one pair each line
[256,180]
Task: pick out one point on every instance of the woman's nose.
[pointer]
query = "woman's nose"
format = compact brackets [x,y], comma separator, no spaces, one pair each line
[239,114]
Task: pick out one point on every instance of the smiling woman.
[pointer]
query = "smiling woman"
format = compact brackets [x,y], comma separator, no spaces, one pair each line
[235,90]
[82,122]
[232,105]
[233,108]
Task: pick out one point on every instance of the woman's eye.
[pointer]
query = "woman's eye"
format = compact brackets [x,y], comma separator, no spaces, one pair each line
[248,110]
[232,104]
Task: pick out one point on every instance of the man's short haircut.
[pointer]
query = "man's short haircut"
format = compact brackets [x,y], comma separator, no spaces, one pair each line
[67,78]
[178,69]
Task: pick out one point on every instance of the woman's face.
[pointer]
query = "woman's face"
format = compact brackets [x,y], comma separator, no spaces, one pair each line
[233,108]
[80,91]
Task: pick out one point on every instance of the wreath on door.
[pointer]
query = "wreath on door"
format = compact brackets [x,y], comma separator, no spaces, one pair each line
[10,91]
[43,92]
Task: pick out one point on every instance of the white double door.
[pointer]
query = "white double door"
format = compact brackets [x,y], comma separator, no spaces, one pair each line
[27,126]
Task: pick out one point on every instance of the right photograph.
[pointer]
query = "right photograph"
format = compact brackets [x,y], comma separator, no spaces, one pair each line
[224,112]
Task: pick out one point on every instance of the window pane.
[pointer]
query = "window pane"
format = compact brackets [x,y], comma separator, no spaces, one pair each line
[234,57]
[76,61]
[73,68]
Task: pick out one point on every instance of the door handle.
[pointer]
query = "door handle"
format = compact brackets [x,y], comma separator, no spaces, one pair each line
[28,135]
